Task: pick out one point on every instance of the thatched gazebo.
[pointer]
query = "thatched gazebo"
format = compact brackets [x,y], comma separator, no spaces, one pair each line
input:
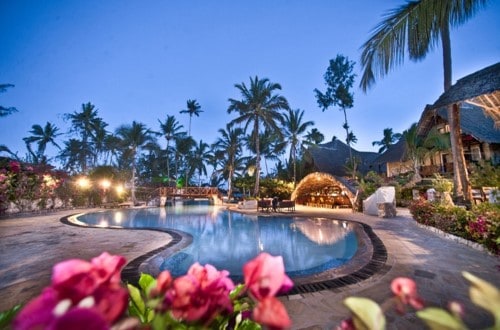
[323,190]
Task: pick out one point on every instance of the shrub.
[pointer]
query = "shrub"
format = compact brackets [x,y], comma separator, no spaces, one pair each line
[423,211]
[451,219]
[484,225]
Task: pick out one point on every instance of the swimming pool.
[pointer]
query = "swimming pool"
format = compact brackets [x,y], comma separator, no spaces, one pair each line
[228,239]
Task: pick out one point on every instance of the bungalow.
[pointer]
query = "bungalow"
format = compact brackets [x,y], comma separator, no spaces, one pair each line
[478,95]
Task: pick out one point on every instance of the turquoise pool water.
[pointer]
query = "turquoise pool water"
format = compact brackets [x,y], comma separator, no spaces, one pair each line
[228,239]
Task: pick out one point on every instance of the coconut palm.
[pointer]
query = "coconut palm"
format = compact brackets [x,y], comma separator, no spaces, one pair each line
[198,159]
[193,108]
[294,127]
[230,147]
[416,28]
[170,129]
[314,137]
[183,146]
[134,137]
[86,124]
[389,139]
[72,156]
[259,106]
[5,111]
[42,136]
[419,147]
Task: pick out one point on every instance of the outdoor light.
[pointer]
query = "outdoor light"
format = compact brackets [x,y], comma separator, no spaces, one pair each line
[119,189]
[105,184]
[83,182]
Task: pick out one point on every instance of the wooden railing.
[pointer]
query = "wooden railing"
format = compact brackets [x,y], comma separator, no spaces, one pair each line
[189,191]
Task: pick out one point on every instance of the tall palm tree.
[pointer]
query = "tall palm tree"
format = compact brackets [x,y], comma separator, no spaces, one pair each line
[259,106]
[134,137]
[229,143]
[193,108]
[85,124]
[389,139]
[170,129]
[42,136]
[314,137]
[271,146]
[416,27]
[5,111]
[294,128]
[72,156]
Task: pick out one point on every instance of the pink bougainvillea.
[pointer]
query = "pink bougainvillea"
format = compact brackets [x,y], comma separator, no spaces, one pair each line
[79,290]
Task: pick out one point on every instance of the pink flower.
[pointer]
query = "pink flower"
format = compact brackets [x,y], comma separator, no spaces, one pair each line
[405,290]
[15,166]
[265,276]
[271,313]
[163,283]
[77,284]
[201,294]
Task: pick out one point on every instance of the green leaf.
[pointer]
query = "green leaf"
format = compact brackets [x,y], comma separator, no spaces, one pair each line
[136,300]
[484,295]
[7,316]
[236,291]
[439,319]
[145,281]
[367,313]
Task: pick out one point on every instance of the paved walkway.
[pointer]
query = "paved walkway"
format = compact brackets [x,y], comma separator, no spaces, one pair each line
[30,246]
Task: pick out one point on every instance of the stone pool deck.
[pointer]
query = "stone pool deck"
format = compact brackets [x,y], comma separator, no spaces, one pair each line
[30,246]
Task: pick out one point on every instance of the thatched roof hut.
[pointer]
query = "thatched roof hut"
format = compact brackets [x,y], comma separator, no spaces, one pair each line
[481,88]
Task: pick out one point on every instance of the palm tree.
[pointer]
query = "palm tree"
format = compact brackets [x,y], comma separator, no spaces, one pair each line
[314,137]
[271,146]
[73,156]
[259,106]
[183,146]
[416,27]
[170,130]
[389,139]
[193,108]
[42,136]
[294,128]
[229,143]
[419,147]
[5,111]
[197,160]
[86,124]
[134,137]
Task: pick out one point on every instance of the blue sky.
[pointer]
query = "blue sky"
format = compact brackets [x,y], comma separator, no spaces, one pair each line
[137,60]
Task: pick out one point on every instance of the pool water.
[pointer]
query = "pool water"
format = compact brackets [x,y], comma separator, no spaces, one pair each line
[227,240]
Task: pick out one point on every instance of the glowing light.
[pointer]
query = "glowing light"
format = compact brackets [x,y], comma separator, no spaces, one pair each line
[119,189]
[83,182]
[105,184]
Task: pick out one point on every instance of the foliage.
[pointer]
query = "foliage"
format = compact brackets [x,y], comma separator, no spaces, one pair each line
[89,295]
[484,174]
[370,183]
[23,185]
[481,224]
[276,188]
[367,314]
[442,184]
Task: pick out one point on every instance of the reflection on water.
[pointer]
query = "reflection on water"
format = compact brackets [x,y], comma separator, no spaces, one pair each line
[228,240]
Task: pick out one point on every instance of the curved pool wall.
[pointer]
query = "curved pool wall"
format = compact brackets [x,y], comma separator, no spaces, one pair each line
[369,257]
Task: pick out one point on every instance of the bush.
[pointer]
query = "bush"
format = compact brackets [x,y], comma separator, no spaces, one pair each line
[423,211]
[484,225]
[451,219]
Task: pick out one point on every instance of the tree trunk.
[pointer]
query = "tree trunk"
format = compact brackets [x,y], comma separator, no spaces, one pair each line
[460,175]
[257,153]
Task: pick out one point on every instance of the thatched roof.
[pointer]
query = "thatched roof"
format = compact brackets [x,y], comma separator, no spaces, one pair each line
[481,88]
[473,121]
[395,153]
[318,181]
[332,157]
